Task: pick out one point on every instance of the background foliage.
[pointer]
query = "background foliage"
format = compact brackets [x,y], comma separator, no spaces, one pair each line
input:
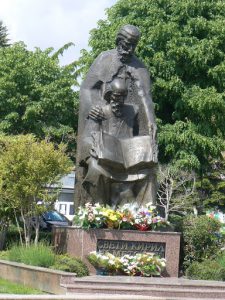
[27,168]
[36,94]
[201,238]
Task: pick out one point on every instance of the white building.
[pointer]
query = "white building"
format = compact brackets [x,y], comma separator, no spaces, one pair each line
[65,202]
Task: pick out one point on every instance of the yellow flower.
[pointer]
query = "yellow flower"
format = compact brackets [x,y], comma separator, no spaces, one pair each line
[113,217]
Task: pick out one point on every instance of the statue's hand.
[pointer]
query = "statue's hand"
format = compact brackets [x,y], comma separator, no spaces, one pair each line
[93,152]
[97,113]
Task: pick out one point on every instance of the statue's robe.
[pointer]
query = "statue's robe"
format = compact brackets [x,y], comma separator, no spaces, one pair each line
[105,68]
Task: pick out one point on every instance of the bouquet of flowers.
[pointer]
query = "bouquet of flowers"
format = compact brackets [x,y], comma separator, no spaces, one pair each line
[90,216]
[127,216]
[141,264]
[149,264]
[143,219]
[124,217]
[106,262]
[147,218]
[112,217]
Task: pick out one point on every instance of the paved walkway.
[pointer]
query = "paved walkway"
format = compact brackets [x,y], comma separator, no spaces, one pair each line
[88,297]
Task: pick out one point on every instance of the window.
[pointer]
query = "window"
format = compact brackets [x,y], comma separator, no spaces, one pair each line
[72,211]
[62,208]
[66,197]
[54,216]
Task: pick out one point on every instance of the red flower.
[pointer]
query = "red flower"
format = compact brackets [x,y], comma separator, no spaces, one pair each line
[142,227]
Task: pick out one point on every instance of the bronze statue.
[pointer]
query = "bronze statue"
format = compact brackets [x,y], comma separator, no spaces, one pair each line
[117,150]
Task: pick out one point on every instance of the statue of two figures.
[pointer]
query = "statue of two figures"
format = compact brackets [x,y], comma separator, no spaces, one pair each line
[117,149]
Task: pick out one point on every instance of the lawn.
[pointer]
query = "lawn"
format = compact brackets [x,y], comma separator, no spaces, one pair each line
[7,287]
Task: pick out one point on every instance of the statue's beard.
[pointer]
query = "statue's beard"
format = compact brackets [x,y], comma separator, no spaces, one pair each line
[124,56]
[116,110]
[117,113]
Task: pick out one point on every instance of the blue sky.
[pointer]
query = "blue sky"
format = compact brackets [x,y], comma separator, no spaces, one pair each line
[52,23]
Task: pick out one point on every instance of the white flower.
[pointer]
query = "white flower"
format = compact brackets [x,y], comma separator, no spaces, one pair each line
[163,262]
[149,206]
[105,257]
[123,259]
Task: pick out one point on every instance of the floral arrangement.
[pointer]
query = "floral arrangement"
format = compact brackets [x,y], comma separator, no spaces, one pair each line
[141,264]
[90,216]
[125,217]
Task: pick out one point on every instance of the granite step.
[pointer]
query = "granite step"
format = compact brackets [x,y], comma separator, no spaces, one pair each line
[154,287]
[144,281]
[153,292]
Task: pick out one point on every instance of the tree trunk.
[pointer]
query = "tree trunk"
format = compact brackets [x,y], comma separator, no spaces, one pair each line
[18,227]
[37,230]
[166,215]
[2,238]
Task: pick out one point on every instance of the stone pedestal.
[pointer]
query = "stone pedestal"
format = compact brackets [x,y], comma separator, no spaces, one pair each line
[79,243]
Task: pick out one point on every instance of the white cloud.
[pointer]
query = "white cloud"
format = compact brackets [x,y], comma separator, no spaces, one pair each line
[52,23]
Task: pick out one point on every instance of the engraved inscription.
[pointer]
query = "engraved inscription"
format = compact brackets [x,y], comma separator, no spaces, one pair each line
[120,248]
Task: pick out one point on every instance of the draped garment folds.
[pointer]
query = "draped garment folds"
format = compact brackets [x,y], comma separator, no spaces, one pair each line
[105,68]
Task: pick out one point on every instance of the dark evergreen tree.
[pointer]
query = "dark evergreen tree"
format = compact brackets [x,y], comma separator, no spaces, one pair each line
[3,35]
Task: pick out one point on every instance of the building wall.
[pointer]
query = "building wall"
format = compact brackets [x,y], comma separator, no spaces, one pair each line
[65,202]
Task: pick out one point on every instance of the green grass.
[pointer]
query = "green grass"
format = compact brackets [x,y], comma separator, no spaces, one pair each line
[7,287]
[40,255]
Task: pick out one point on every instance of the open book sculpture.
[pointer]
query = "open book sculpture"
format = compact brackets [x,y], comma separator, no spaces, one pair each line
[129,153]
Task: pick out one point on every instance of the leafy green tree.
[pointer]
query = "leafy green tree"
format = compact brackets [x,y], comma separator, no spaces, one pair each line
[27,168]
[183,46]
[3,35]
[37,94]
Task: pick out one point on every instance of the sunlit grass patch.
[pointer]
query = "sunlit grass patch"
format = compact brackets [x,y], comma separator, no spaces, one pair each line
[7,287]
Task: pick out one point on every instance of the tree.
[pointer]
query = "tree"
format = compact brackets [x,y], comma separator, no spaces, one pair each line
[5,215]
[27,168]
[183,46]
[37,94]
[175,189]
[210,187]
[3,35]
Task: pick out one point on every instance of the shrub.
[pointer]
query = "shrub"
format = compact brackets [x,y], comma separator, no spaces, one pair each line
[40,255]
[12,237]
[221,259]
[43,256]
[176,221]
[206,270]
[70,264]
[15,253]
[201,238]
[3,254]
